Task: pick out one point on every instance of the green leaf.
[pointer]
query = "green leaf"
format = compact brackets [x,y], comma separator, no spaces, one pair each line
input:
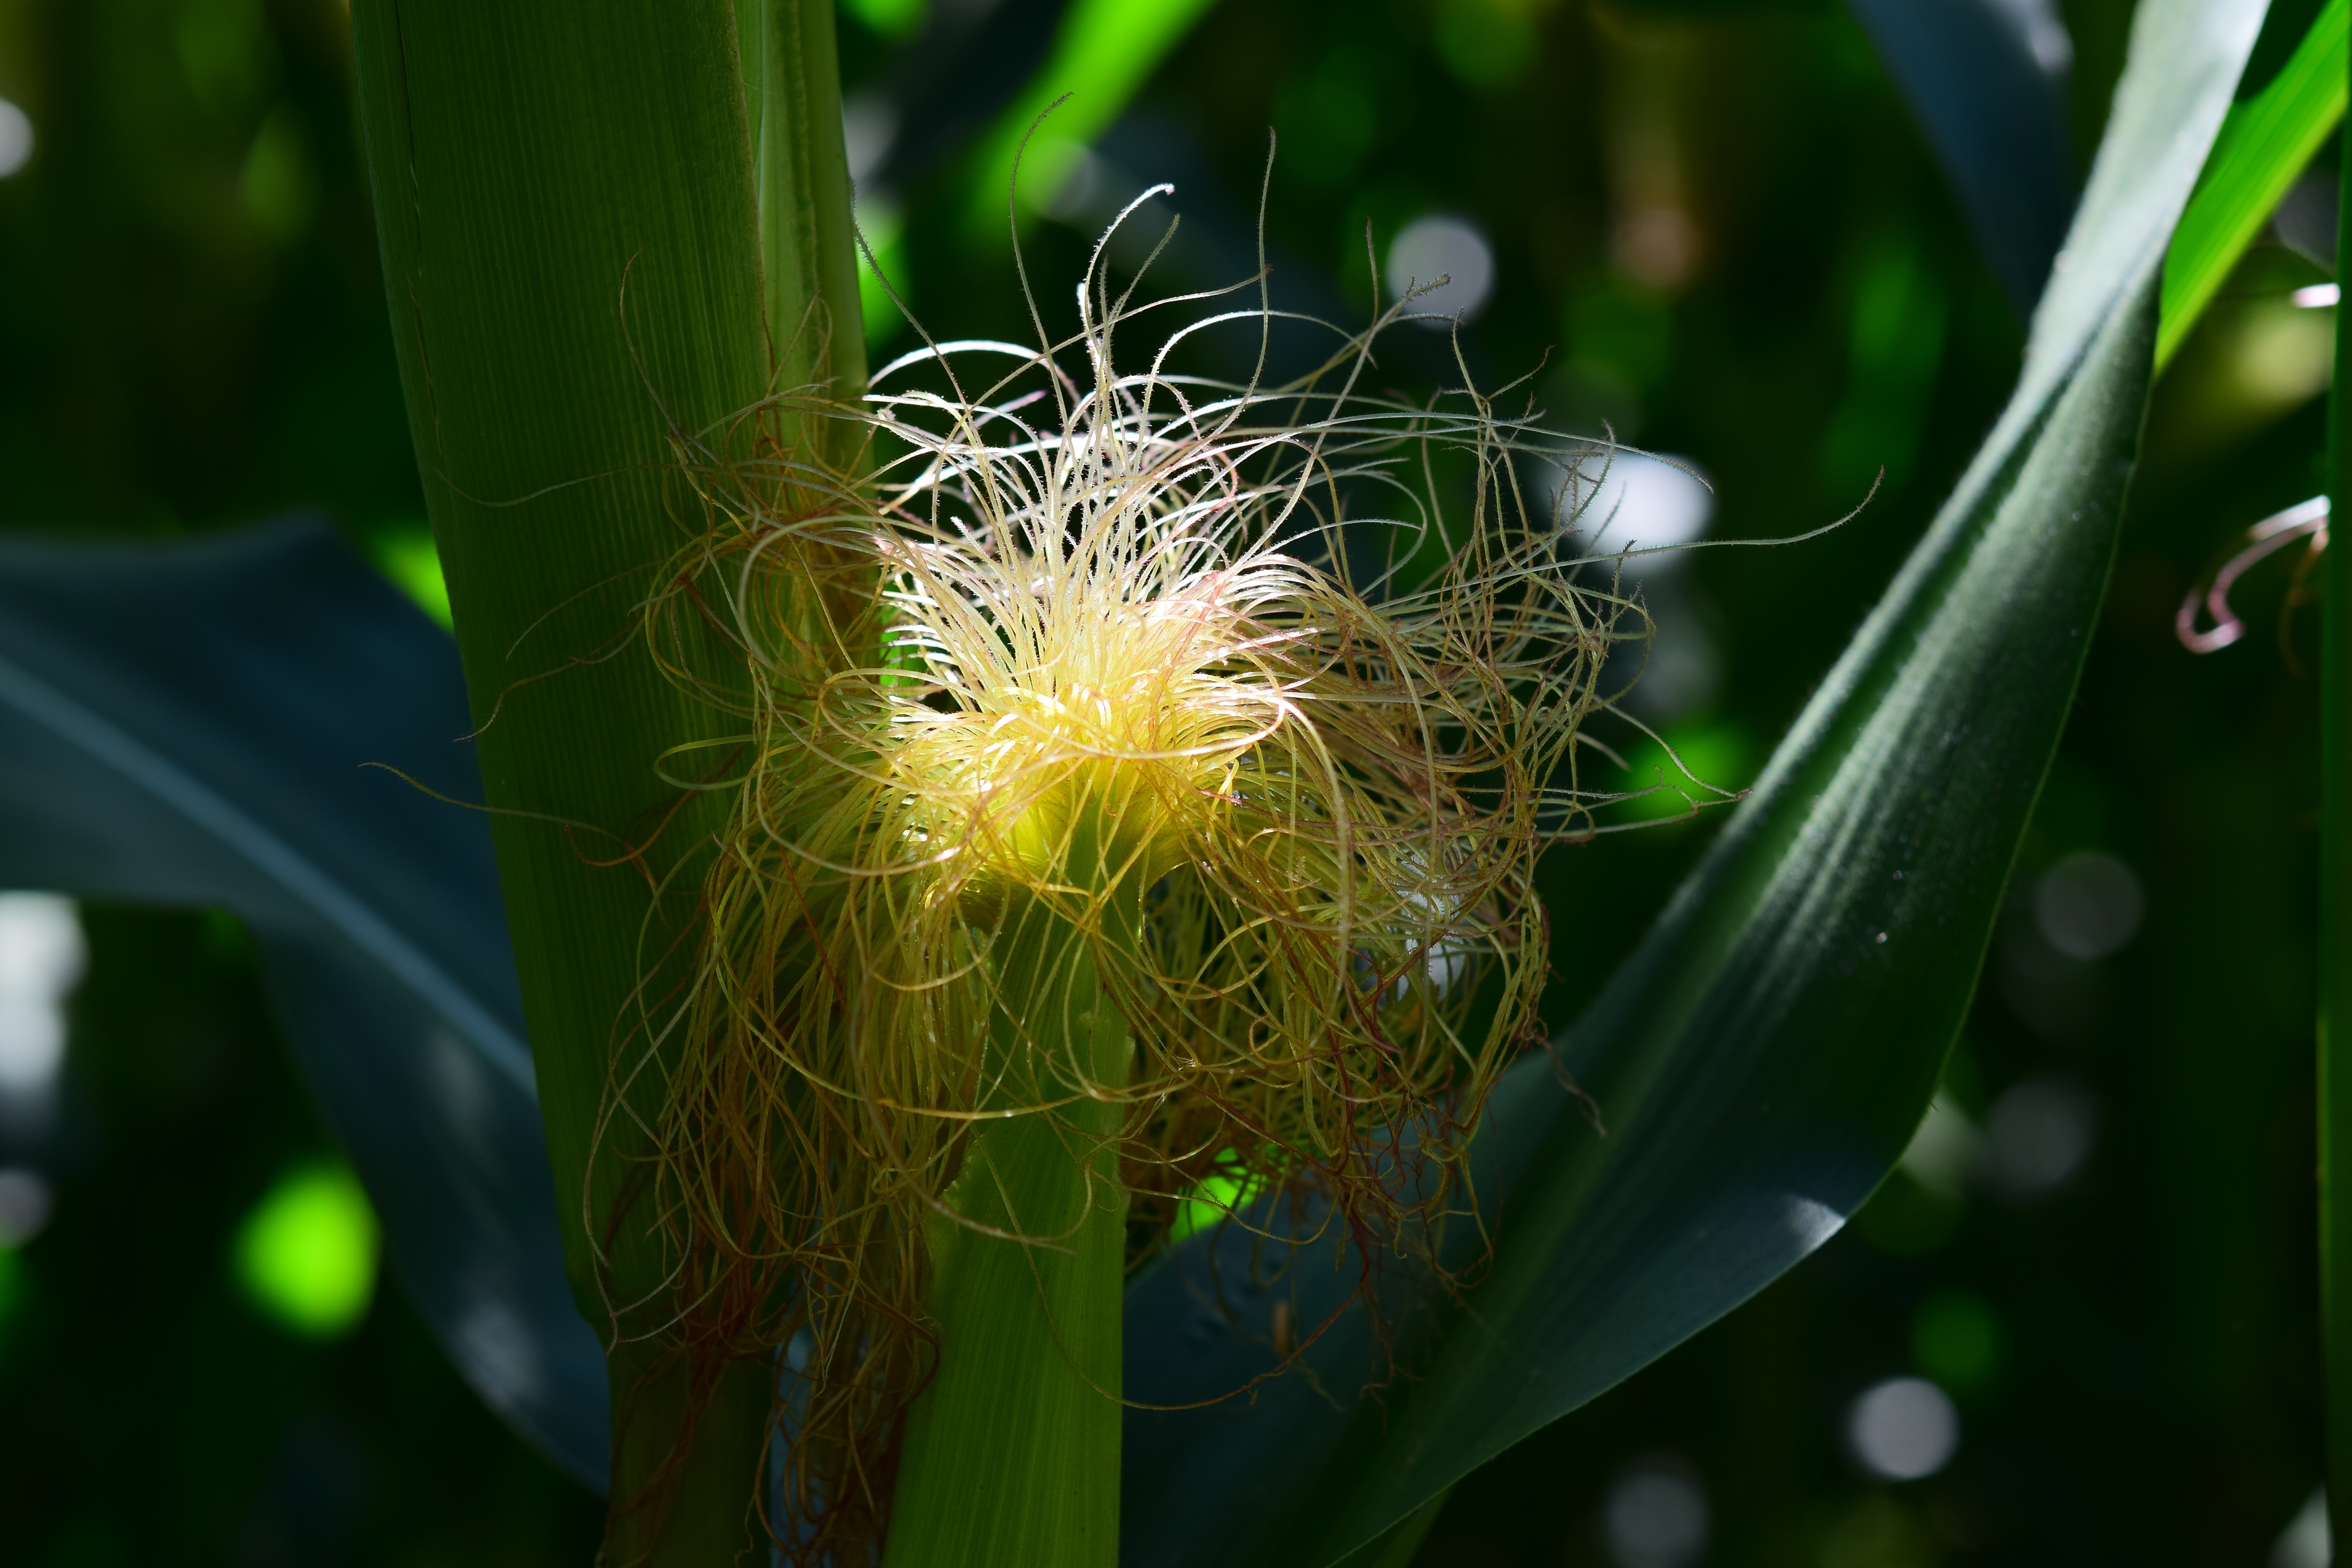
[1760,1062]
[2262,146]
[1995,114]
[534,167]
[190,724]
[605,224]
[1103,53]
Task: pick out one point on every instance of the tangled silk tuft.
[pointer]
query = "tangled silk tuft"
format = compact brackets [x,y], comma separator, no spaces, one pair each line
[1271,697]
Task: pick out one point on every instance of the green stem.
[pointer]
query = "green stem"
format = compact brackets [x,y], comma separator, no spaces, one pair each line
[791,100]
[1011,1453]
[2335,930]
[704,1512]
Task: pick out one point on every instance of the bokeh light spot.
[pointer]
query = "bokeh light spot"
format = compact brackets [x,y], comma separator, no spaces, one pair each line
[869,128]
[15,137]
[1903,1429]
[2282,355]
[1212,1197]
[42,956]
[1640,502]
[2038,1137]
[1655,1515]
[2088,905]
[2306,1542]
[307,1252]
[1703,762]
[1429,248]
[25,1202]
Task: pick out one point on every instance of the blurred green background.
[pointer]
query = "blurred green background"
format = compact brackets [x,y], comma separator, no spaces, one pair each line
[1718,232]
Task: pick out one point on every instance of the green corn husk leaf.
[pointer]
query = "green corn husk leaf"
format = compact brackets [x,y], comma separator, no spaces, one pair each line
[1763,1058]
[607,227]
[562,190]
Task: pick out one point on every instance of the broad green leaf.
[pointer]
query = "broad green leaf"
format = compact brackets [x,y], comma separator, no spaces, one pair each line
[535,167]
[189,725]
[593,241]
[1986,80]
[2263,145]
[1762,1059]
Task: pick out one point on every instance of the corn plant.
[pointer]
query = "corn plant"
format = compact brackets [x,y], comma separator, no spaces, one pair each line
[1027,957]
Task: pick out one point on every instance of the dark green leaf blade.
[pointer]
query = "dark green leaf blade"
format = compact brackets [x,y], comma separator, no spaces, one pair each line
[1762,1059]
[596,252]
[188,724]
[1991,98]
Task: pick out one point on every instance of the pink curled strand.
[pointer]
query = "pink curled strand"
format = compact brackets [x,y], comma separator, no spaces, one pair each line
[2304,519]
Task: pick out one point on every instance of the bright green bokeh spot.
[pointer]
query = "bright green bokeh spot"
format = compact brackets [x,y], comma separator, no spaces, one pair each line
[306,1254]
[885,232]
[406,553]
[1716,755]
[1956,1342]
[1213,1198]
[891,18]
[883,320]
